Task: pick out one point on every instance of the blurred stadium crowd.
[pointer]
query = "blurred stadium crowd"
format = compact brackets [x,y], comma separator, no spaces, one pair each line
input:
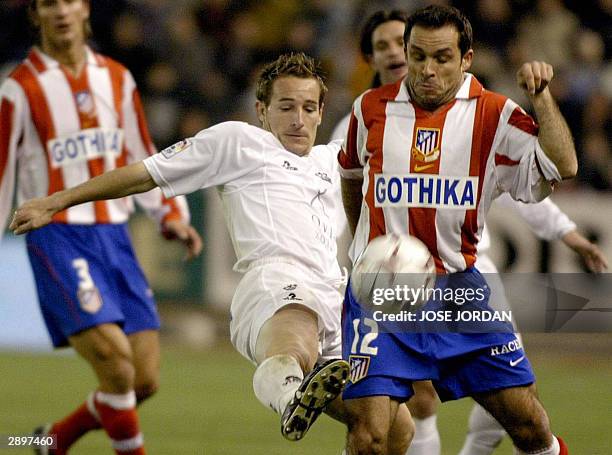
[195,60]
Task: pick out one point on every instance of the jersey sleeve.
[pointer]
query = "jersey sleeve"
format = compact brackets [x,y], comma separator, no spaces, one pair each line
[13,111]
[215,156]
[353,154]
[140,146]
[545,218]
[521,167]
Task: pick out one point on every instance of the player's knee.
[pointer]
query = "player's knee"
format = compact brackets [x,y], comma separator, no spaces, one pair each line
[107,351]
[366,439]
[121,375]
[113,365]
[424,403]
[532,433]
[363,441]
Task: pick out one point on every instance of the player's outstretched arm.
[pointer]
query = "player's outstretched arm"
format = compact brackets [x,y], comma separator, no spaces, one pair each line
[114,184]
[554,136]
[593,257]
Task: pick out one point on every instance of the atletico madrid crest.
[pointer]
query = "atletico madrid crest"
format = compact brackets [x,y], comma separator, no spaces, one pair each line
[359,367]
[426,144]
[85,103]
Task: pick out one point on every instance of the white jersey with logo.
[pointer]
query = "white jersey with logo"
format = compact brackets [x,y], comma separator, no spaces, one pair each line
[58,130]
[276,203]
[434,175]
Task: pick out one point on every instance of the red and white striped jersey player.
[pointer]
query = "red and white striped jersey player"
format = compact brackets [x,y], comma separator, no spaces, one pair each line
[426,156]
[434,176]
[67,115]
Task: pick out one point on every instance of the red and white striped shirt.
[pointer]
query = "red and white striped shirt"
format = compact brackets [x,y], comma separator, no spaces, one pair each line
[434,174]
[57,131]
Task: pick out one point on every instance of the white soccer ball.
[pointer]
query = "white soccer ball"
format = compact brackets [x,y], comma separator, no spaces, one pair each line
[393,272]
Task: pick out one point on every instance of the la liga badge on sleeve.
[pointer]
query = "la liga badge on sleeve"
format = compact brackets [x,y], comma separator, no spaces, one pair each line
[169,152]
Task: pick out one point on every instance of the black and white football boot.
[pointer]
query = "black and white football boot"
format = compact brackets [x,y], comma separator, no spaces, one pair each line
[319,388]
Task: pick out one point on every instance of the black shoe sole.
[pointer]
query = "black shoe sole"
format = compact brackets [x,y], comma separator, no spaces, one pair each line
[319,388]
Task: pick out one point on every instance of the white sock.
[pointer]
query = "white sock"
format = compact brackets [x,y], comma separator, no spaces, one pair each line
[485,433]
[117,400]
[554,449]
[275,381]
[426,439]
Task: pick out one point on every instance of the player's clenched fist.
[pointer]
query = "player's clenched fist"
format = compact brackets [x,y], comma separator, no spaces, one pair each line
[533,77]
[33,215]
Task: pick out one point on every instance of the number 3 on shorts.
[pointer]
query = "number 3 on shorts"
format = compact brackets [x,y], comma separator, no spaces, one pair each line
[365,347]
[87,293]
[82,269]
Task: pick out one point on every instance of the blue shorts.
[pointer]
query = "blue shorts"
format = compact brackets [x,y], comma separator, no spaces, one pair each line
[386,360]
[87,276]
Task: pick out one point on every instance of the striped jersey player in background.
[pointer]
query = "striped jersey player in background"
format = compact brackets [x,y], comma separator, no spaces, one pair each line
[382,46]
[68,114]
[431,152]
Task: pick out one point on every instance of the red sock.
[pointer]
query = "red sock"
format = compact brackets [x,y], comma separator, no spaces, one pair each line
[72,427]
[120,420]
[564,450]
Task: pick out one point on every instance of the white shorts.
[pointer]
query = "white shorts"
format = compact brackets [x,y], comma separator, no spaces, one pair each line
[273,283]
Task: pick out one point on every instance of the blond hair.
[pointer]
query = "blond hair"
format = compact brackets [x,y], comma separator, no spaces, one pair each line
[293,64]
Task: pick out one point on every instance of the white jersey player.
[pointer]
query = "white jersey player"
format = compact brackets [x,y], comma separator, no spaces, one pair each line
[279,211]
[276,192]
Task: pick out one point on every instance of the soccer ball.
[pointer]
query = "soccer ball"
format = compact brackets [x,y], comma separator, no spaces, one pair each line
[393,272]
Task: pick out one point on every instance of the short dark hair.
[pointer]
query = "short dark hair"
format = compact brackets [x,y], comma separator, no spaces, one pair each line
[293,64]
[376,19]
[436,16]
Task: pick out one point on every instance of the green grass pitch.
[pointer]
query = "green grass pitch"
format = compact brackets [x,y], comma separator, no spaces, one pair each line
[206,405]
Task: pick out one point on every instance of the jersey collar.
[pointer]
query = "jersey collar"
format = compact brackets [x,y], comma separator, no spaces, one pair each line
[48,62]
[471,88]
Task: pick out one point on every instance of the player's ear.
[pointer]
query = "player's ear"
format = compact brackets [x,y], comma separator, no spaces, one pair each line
[260,107]
[466,60]
[320,114]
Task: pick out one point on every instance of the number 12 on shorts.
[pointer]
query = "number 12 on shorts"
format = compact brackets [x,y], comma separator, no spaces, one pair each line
[366,339]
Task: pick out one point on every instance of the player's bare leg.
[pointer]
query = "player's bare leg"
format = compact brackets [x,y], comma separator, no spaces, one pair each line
[423,407]
[370,426]
[522,415]
[400,433]
[286,351]
[145,353]
[113,406]
[293,330]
